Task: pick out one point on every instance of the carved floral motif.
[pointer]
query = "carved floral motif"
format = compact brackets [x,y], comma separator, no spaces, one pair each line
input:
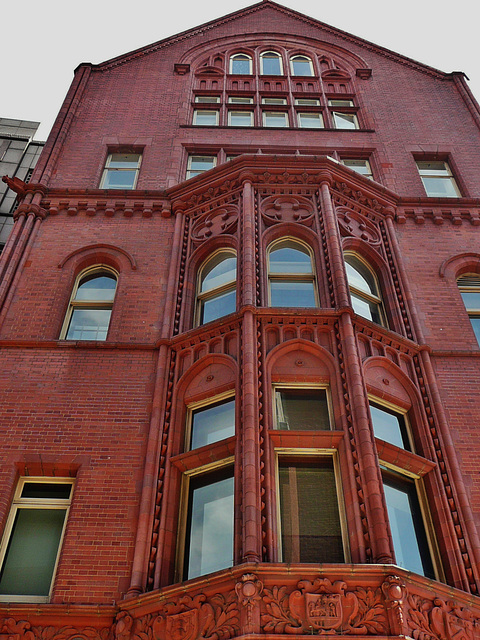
[356,225]
[220,221]
[287,209]
[11,629]
[441,620]
[324,607]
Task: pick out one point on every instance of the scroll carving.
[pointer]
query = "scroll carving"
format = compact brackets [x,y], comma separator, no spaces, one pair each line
[12,629]
[220,221]
[324,607]
[249,594]
[441,620]
[287,209]
[355,225]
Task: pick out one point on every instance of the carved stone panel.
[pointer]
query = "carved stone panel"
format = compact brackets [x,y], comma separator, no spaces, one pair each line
[287,208]
[219,221]
[353,224]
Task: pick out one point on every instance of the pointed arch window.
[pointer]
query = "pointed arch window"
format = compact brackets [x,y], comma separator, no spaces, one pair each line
[469,287]
[241,64]
[301,66]
[217,284]
[271,64]
[90,308]
[364,290]
[291,275]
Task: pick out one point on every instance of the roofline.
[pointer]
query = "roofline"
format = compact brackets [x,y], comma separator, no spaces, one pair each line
[402,59]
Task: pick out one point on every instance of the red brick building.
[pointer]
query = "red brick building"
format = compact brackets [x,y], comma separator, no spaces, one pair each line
[238,338]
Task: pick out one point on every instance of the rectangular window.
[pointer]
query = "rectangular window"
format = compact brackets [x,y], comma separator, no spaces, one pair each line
[310,120]
[390,426]
[240,118]
[302,409]
[121,171]
[341,103]
[409,536]
[307,102]
[360,166]
[212,423]
[199,164]
[274,101]
[240,100]
[469,286]
[275,119]
[32,538]
[309,514]
[207,99]
[344,120]
[437,179]
[209,526]
[205,117]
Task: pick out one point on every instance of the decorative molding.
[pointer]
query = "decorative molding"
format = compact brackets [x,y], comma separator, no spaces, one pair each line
[287,209]
[99,248]
[109,207]
[440,620]
[12,629]
[439,214]
[223,220]
[355,225]
[181,69]
[346,196]
[363,74]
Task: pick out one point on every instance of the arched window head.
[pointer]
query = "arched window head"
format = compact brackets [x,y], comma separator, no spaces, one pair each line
[90,308]
[241,64]
[271,64]
[364,291]
[291,275]
[217,284]
[469,286]
[301,66]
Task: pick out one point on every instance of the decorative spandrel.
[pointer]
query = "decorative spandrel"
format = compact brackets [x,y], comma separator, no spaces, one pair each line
[287,209]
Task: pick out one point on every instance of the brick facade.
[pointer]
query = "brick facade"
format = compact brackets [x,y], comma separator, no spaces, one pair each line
[115,413]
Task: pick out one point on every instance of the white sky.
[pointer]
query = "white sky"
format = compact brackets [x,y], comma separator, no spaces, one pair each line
[48,39]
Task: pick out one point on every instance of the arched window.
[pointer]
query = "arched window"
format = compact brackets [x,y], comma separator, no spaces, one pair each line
[241,64]
[364,291]
[291,275]
[90,308]
[271,64]
[217,284]
[301,66]
[469,286]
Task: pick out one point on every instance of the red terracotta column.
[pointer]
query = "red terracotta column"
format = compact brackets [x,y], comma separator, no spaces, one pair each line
[147,510]
[368,461]
[250,439]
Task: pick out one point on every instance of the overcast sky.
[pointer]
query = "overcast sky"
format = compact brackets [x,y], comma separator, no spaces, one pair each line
[47,40]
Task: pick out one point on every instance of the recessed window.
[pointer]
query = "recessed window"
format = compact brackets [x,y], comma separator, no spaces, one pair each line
[364,291]
[90,309]
[121,171]
[240,118]
[199,164]
[279,101]
[209,523]
[271,64]
[291,276]
[301,66]
[240,100]
[307,102]
[32,538]
[437,179]
[344,120]
[358,165]
[207,99]
[212,423]
[409,536]
[217,287]
[205,117]
[310,120]
[389,426]
[341,103]
[301,409]
[275,119]
[469,286]
[309,513]
[241,64]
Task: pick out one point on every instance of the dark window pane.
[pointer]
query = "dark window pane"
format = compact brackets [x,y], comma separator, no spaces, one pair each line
[471,299]
[390,427]
[292,294]
[271,65]
[302,409]
[301,66]
[46,490]
[241,65]
[32,552]
[406,524]
[213,423]
[89,324]
[218,307]
[119,179]
[309,512]
[209,541]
